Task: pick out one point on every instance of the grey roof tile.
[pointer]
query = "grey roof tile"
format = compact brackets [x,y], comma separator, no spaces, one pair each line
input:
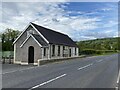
[40,39]
[55,37]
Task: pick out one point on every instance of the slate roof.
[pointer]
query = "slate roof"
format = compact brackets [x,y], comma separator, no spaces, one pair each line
[54,37]
[40,40]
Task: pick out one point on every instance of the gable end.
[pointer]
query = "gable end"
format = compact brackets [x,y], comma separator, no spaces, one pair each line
[26,29]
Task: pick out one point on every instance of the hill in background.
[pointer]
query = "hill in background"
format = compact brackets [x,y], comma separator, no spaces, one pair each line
[99,46]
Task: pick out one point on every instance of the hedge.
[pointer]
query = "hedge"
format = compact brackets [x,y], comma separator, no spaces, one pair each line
[92,51]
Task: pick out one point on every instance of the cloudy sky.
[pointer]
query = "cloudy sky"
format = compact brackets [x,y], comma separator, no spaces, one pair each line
[79,20]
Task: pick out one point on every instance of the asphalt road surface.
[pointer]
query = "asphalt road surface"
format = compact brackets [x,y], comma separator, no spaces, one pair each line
[89,72]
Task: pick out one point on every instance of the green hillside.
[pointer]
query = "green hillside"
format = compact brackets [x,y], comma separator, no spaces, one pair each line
[99,46]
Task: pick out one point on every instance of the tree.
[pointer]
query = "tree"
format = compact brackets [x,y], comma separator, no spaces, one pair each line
[8,38]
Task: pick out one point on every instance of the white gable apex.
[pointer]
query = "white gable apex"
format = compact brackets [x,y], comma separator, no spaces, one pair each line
[34,29]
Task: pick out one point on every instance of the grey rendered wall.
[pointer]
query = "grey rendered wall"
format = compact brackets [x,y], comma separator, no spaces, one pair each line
[17,49]
[37,51]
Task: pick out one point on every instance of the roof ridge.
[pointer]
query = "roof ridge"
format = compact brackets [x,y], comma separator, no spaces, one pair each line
[40,38]
[55,37]
[48,29]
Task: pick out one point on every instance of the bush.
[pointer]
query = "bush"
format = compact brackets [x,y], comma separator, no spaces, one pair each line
[87,52]
[92,51]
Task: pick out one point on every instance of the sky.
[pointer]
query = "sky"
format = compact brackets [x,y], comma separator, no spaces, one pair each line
[80,20]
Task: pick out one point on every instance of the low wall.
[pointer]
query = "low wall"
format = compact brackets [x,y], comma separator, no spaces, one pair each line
[45,61]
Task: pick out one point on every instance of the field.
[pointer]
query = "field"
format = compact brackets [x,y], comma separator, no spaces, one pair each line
[6,53]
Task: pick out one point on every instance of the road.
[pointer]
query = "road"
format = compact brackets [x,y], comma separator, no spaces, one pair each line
[89,72]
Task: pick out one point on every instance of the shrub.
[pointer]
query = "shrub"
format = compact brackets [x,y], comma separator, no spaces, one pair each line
[92,51]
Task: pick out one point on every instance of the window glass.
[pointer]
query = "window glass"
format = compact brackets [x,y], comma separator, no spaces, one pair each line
[44,51]
[58,50]
[75,51]
[53,50]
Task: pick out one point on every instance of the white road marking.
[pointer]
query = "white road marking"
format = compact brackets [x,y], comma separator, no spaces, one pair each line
[118,79]
[100,60]
[9,72]
[92,57]
[48,81]
[85,66]
[23,69]
[18,70]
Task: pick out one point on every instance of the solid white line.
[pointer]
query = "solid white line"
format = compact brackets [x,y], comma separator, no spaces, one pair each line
[18,70]
[48,81]
[118,79]
[85,66]
[9,72]
[92,56]
[24,69]
[100,60]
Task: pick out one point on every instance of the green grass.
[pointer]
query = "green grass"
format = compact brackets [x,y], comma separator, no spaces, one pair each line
[6,53]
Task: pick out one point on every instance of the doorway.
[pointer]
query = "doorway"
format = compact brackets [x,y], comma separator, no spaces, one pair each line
[31,54]
[69,52]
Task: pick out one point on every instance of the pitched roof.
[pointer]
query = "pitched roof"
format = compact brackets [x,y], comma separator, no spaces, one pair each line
[55,37]
[40,40]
